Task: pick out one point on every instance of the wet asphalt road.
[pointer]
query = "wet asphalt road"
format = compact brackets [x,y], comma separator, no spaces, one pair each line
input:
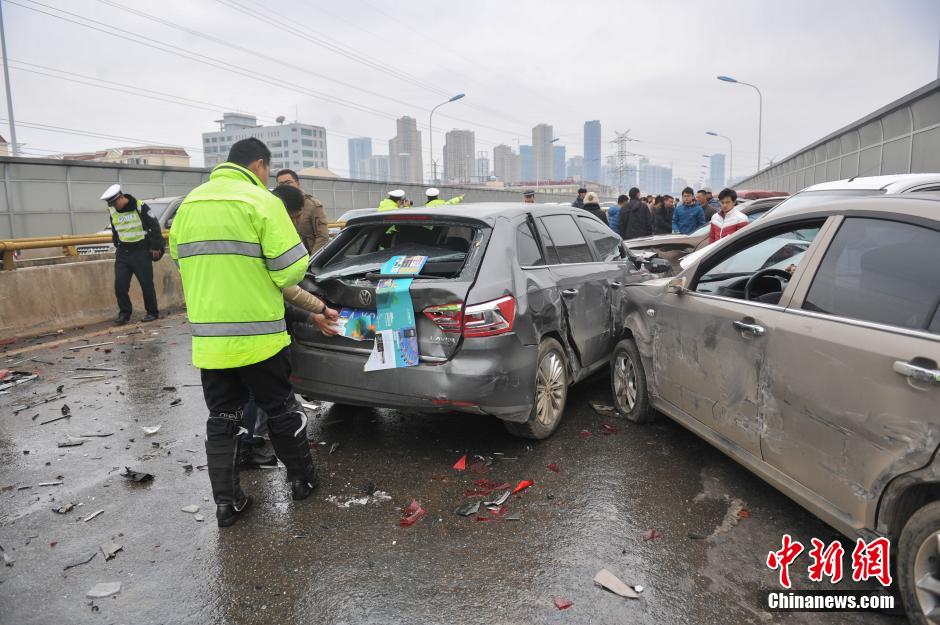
[319,562]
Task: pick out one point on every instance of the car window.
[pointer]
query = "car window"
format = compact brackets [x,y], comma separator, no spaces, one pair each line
[880,271]
[605,241]
[527,248]
[567,240]
[757,214]
[775,250]
[551,256]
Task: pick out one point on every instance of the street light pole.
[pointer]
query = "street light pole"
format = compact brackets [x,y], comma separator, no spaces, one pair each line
[6,79]
[760,111]
[730,155]
[431,134]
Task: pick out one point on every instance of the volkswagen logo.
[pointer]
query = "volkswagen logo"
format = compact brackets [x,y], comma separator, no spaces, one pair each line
[365,297]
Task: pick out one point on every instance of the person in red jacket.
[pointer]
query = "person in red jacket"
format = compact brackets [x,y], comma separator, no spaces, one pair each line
[728,220]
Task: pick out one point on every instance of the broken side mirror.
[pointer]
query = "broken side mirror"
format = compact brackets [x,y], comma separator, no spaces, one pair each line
[676,285]
[659,265]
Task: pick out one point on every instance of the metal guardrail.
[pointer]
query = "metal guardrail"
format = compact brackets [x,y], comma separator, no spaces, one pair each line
[68,243]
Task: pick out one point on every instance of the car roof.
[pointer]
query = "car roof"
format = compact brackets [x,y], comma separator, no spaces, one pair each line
[483,211]
[876,183]
[166,199]
[924,206]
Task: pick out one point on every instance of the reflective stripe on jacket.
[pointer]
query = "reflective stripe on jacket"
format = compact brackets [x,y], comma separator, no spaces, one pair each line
[128,224]
[237,249]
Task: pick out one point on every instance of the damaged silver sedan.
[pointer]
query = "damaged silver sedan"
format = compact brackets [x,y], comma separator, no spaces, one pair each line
[807,349]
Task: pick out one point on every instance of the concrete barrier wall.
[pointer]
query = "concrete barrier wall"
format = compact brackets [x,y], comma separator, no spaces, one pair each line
[36,300]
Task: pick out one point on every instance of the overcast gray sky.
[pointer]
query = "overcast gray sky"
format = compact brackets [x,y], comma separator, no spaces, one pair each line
[355,66]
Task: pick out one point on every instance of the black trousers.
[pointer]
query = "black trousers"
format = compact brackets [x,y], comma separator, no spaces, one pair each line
[136,262]
[228,390]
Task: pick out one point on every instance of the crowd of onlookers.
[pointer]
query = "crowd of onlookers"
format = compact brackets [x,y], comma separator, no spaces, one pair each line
[636,215]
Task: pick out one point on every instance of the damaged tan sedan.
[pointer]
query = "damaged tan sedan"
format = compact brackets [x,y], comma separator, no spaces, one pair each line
[807,349]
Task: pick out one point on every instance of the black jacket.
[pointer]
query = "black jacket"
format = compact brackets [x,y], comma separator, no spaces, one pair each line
[662,220]
[154,238]
[635,220]
[578,203]
[595,210]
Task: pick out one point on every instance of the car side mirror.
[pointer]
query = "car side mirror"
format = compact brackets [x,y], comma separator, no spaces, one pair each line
[659,265]
[676,285]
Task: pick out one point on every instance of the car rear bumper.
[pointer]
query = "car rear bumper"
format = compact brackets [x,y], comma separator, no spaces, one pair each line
[492,376]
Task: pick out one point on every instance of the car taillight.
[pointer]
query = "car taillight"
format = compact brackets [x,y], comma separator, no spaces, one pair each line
[486,319]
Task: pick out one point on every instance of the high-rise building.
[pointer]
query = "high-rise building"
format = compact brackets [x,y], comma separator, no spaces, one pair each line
[543,156]
[293,146]
[506,164]
[360,149]
[374,168]
[527,163]
[459,156]
[654,179]
[592,151]
[575,168]
[558,168]
[483,167]
[405,163]
[717,179]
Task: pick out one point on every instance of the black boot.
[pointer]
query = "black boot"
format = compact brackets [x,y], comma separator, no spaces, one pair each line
[289,437]
[251,457]
[230,501]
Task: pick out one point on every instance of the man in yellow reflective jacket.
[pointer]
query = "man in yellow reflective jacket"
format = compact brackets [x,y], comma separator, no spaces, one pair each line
[393,201]
[433,195]
[237,249]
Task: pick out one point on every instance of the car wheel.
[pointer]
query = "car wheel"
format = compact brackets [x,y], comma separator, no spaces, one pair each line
[628,383]
[551,392]
[918,565]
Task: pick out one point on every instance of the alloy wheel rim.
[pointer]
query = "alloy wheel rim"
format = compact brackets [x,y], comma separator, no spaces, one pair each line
[927,577]
[625,388]
[549,389]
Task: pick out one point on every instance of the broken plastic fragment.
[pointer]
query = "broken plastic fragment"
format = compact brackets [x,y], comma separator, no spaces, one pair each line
[584,434]
[136,476]
[104,589]
[150,430]
[199,517]
[499,500]
[7,558]
[554,467]
[92,515]
[191,509]
[333,448]
[64,508]
[71,442]
[468,509]
[604,410]
[411,514]
[524,484]
[513,516]
[110,550]
[461,465]
[744,513]
[610,429]
[176,402]
[85,559]
[651,534]
[563,604]
[607,580]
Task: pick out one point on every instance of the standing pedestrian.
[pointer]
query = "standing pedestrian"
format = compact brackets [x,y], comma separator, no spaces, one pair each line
[393,202]
[579,202]
[237,250]
[138,241]
[528,197]
[708,207]
[688,216]
[593,206]
[613,213]
[662,214]
[313,224]
[635,218]
[729,219]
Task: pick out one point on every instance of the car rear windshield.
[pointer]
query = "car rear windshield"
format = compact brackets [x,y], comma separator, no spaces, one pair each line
[368,246]
[811,198]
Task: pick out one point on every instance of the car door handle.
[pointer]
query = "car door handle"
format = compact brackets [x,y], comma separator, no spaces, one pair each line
[750,328]
[569,292]
[616,284]
[917,373]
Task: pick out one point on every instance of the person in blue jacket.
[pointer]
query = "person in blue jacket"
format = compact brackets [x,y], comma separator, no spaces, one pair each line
[688,216]
[613,213]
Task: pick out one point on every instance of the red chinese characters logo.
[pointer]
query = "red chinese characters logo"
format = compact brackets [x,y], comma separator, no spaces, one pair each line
[784,558]
[872,559]
[826,562]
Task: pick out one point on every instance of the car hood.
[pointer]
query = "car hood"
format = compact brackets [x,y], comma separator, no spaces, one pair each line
[657,239]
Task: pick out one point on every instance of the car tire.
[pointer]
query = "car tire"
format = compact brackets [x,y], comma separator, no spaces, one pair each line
[919,556]
[628,383]
[551,393]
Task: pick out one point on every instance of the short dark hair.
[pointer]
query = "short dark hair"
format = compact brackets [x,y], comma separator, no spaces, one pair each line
[668,196]
[702,191]
[582,190]
[247,151]
[292,197]
[633,193]
[289,172]
[728,193]
[622,198]
[688,190]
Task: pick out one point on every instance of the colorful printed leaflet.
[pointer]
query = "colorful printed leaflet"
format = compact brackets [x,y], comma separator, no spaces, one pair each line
[396,341]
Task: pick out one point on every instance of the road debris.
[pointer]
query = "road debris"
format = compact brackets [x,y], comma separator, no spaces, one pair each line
[651,534]
[8,560]
[333,448]
[607,580]
[136,476]
[461,464]
[610,429]
[468,509]
[513,516]
[176,402]
[170,389]
[584,434]
[97,435]
[71,442]
[39,402]
[199,518]
[103,589]
[190,509]
[78,347]
[89,377]
[562,604]
[521,486]
[498,501]
[554,468]
[93,515]
[85,559]
[411,514]
[604,410]
[96,369]
[110,550]
[150,430]
[478,467]
[64,508]
[15,378]
[377,496]
[57,483]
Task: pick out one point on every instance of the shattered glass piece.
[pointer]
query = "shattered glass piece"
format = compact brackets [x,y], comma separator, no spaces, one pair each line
[411,514]
[64,508]
[461,464]
[150,430]
[136,476]
[199,517]
[513,516]
[190,509]
[468,509]
[651,534]
[104,589]
[110,550]
[71,442]
[584,434]
[333,448]
[638,588]
[92,515]
[8,560]
[607,580]
[80,561]
[499,500]
[521,486]
[498,511]
[604,410]
[554,467]
[563,604]
[610,429]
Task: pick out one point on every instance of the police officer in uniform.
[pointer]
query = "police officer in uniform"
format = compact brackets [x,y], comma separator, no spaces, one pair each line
[237,249]
[137,236]
[393,202]
[433,194]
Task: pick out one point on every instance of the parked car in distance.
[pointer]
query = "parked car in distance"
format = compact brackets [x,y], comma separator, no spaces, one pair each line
[806,347]
[516,303]
[163,208]
[674,247]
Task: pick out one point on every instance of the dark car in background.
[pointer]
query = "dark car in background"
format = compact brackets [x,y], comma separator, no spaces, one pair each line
[516,303]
